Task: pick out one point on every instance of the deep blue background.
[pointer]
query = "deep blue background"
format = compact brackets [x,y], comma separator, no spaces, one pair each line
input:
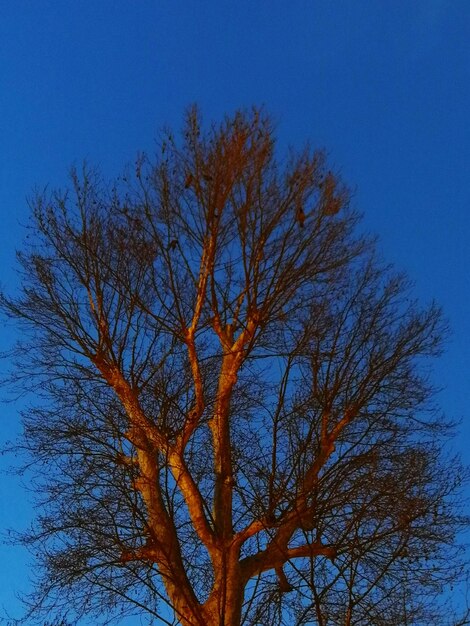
[383,86]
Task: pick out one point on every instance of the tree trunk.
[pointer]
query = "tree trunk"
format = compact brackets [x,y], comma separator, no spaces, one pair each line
[224,605]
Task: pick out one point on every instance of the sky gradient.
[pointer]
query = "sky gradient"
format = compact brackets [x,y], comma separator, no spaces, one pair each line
[382,86]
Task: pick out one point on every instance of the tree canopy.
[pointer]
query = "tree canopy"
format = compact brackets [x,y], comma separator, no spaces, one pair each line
[234,415]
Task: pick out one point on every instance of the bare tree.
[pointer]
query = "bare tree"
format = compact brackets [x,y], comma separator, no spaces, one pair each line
[234,415]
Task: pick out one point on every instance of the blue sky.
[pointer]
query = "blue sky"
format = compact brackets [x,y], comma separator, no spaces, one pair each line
[382,85]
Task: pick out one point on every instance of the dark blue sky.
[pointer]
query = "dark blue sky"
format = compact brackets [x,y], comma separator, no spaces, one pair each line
[384,86]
